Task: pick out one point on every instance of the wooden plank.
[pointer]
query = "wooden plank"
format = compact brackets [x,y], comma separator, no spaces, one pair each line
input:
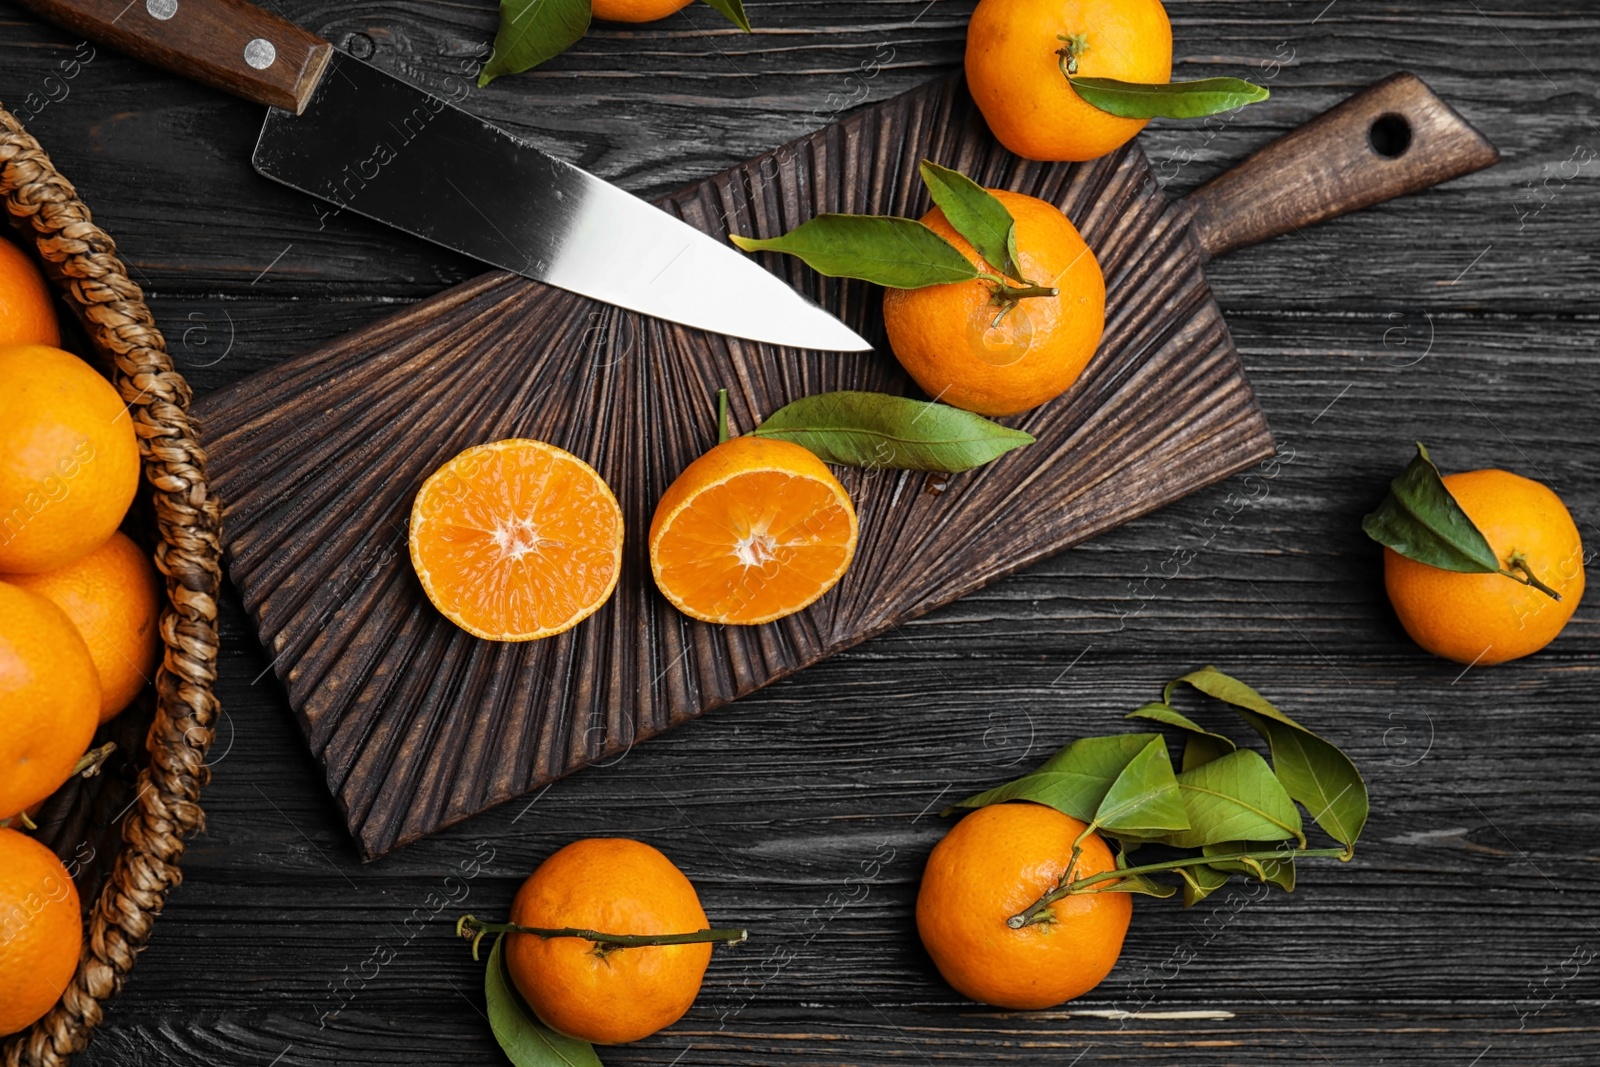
[1431,937]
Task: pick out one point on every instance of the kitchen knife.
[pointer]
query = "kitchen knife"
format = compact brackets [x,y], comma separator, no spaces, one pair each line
[346,132]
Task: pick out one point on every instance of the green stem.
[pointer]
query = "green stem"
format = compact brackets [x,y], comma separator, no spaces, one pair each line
[1005,292]
[722,416]
[1039,910]
[1067,55]
[471,928]
[1520,562]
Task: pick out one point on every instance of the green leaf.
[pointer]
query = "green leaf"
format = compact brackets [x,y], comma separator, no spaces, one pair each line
[532,31]
[1421,520]
[733,11]
[1144,798]
[1172,100]
[882,249]
[877,430]
[1315,772]
[526,1041]
[1202,745]
[1200,882]
[1074,780]
[1277,871]
[1235,797]
[1099,757]
[1064,792]
[977,215]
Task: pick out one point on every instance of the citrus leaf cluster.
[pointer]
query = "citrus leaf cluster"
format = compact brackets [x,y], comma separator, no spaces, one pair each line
[902,253]
[1225,805]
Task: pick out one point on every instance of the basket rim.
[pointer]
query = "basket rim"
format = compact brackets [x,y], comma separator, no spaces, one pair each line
[82,263]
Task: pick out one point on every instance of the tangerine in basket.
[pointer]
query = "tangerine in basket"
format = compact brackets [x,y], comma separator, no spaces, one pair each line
[49,698]
[1014,70]
[993,865]
[113,597]
[41,930]
[754,530]
[516,540]
[26,313]
[589,991]
[1488,618]
[69,460]
[966,350]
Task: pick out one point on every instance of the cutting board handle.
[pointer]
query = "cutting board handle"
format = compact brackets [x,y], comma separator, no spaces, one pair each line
[1394,137]
[232,45]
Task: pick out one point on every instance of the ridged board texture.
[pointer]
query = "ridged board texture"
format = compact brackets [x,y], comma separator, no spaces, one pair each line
[419,725]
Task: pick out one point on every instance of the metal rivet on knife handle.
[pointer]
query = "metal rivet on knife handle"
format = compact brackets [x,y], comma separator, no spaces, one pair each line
[259,53]
[231,44]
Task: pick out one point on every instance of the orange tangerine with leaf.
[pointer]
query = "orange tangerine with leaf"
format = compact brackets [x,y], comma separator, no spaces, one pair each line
[992,868]
[599,991]
[992,300]
[1020,54]
[1002,349]
[1488,618]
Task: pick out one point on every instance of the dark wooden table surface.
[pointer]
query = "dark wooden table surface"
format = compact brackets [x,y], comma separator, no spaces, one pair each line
[1465,931]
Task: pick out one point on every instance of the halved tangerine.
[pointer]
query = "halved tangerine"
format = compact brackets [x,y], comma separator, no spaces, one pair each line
[753,530]
[516,540]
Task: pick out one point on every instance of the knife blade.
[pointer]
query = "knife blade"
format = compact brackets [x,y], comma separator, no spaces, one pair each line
[348,133]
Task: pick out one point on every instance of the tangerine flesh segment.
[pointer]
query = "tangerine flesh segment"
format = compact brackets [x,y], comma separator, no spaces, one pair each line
[752,545]
[516,540]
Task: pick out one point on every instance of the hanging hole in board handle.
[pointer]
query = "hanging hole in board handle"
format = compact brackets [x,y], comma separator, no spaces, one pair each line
[1389,135]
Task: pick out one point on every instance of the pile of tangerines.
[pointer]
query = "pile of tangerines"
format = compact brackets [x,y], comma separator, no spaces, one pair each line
[79,609]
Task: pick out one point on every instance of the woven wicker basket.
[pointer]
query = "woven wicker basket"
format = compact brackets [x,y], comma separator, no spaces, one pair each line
[122,831]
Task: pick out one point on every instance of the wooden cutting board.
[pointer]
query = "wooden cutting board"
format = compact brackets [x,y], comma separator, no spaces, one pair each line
[418,725]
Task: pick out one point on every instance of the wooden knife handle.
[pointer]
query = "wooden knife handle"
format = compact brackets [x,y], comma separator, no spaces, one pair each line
[229,44]
[1392,138]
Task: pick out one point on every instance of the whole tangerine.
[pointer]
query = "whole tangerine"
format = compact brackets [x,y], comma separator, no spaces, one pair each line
[69,459]
[49,698]
[113,597]
[966,345]
[1015,70]
[41,930]
[1489,618]
[27,315]
[993,865]
[607,995]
